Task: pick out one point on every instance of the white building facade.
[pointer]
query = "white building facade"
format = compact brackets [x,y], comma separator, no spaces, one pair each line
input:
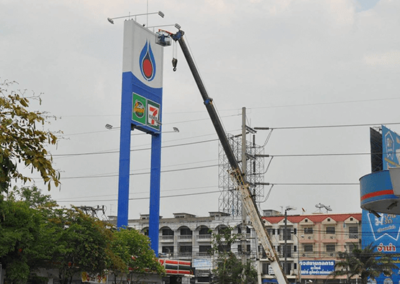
[314,238]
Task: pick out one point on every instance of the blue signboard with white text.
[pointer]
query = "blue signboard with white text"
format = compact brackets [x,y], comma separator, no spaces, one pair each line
[317,267]
[390,148]
[384,231]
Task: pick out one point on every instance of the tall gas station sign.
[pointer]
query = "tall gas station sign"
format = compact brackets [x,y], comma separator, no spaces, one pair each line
[141,108]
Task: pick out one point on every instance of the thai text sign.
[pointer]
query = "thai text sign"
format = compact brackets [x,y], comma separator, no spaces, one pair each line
[317,267]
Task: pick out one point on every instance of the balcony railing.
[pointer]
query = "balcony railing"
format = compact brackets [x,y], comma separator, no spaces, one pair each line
[167,238]
[204,254]
[204,236]
[185,237]
[307,254]
[282,255]
[184,254]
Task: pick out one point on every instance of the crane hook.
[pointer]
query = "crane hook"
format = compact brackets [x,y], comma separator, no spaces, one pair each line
[174,63]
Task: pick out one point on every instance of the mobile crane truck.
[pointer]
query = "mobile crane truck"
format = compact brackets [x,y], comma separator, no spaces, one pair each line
[163,38]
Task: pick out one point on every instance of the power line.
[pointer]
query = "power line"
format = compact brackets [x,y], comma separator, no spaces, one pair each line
[169,123]
[277,184]
[325,103]
[132,150]
[141,198]
[317,184]
[136,174]
[257,107]
[139,192]
[329,126]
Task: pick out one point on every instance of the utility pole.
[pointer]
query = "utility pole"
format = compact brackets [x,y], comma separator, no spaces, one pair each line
[244,171]
[285,247]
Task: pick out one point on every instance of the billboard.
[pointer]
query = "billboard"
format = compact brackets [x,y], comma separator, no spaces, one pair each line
[202,263]
[390,148]
[141,108]
[142,77]
[384,231]
[317,267]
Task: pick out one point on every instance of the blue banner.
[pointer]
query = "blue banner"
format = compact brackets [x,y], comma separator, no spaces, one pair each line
[317,267]
[390,148]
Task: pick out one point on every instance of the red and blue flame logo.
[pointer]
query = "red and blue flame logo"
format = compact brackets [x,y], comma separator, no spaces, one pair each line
[147,62]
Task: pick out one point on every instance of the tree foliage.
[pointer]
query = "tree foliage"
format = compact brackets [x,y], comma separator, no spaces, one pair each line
[366,262]
[35,233]
[22,140]
[230,269]
[19,237]
[134,250]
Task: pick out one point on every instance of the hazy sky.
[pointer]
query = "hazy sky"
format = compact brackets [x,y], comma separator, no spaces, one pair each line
[291,63]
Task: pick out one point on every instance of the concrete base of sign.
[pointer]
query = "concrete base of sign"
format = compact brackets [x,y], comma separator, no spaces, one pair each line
[377,195]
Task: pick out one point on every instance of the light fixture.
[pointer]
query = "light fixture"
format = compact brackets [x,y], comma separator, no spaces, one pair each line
[168,25]
[110,127]
[161,14]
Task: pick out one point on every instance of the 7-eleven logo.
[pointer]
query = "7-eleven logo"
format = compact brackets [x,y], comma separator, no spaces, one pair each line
[153,115]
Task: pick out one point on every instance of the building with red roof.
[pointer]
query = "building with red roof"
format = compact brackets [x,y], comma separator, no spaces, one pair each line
[311,244]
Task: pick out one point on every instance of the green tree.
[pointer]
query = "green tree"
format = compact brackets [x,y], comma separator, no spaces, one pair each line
[230,269]
[24,242]
[133,249]
[19,231]
[80,243]
[21,140]
[366,262]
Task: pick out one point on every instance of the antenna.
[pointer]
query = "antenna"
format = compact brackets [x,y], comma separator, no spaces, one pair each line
[320,206]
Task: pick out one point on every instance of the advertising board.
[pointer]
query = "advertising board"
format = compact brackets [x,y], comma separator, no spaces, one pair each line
[390,148]
[317,267]
[142,77]
[202,263]
[384,231]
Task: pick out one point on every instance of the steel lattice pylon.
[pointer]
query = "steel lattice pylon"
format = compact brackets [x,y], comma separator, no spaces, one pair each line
[229,200]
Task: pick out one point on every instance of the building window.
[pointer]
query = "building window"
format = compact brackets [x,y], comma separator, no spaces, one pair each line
[168,249]
[308,230]
[286,250]
[265,268]
[308,248]
[353,232]
[287,234]
[167,232]
[248,249]
[330,247]
[204,231]
[186,232]
[185,249]
[330,230]
[205,249]
[224,248]
[222,230]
